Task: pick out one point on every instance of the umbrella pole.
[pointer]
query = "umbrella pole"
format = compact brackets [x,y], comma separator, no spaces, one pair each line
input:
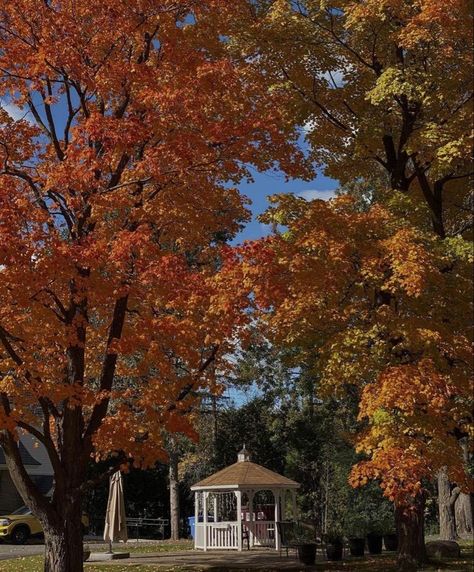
[110,547]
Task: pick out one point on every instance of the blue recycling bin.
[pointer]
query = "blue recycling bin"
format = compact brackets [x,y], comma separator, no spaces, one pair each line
[191,525]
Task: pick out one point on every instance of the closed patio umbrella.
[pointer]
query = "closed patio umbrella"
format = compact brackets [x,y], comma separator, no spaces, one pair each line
[115,520]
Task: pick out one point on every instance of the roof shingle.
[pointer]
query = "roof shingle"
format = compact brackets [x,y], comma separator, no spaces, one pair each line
[245,474]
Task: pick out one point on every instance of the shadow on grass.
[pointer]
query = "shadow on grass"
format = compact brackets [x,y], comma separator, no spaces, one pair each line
[382,563]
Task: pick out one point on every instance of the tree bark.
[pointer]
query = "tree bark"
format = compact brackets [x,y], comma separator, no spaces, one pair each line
[446,500]
[174,494]
[463,515]
[63,541]
[61,516]
[411,535]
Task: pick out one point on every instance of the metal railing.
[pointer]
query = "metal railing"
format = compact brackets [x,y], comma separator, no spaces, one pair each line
[139,522]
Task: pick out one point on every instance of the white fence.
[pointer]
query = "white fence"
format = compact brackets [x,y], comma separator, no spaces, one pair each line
[225,535]
[218,535]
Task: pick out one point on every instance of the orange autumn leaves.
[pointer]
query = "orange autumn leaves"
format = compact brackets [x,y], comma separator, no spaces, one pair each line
[117,189]
[372,303]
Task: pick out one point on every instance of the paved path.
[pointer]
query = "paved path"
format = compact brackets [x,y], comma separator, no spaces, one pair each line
[197,560]
[8,551]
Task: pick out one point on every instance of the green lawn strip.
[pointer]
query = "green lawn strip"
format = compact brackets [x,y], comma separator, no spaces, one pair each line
[35,564]
[23,564]
[145,548]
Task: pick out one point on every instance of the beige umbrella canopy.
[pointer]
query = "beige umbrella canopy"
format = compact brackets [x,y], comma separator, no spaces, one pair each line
[115,520]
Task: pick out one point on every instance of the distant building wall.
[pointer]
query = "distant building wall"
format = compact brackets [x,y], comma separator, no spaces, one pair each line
[10,500]
[38,452]
[38,466]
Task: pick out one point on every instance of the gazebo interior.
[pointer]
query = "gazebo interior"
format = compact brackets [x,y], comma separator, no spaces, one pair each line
[240,506]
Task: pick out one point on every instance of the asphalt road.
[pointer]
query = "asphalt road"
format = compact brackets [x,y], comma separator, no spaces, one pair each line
[32,547]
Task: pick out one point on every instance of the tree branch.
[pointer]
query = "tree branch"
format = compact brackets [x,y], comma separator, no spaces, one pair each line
[108,368]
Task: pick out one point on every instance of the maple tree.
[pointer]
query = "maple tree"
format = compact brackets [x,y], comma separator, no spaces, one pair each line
[381,306]
[383,90]
[117,173]
[381,87]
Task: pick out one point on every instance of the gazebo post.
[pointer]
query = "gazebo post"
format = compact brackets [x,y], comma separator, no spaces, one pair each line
[204,517]
[215,508]
[251,494]
[283,505]
[238,494]
[276,496]
[197,494]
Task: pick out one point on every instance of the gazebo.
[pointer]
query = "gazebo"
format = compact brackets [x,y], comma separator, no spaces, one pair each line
[227,510]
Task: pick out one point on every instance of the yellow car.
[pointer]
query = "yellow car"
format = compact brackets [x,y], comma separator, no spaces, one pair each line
[22,524]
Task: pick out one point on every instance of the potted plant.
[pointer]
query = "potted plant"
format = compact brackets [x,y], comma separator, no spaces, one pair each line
[334,544]
[356,530]
[304,540]
[307,553]
[390,538]
[375,537]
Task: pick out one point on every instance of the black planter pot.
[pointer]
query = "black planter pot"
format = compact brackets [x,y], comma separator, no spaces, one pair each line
[391,542]
[334,550]
[357,546]
[374,543]
[307,553]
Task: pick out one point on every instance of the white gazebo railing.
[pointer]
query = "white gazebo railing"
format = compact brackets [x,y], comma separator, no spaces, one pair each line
[225,535]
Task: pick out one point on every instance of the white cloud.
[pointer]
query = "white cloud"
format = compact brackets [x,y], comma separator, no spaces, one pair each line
[312,194]
[309,125]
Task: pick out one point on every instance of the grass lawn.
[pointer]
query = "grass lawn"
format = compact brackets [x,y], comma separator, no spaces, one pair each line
[142,548]
[382,563]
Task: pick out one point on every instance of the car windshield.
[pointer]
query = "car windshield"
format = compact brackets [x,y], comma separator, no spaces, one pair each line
[22,510]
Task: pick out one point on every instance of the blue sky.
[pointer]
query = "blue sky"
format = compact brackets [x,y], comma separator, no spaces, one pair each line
[265,184]
[271,183]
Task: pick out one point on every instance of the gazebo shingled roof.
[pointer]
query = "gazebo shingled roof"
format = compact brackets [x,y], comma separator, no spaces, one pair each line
[245,474]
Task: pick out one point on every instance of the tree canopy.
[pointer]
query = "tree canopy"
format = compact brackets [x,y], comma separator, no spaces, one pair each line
[379,86]
[117,186]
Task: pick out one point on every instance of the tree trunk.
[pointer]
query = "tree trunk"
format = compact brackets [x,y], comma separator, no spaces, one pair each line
[60,517]
[464,506]
[63,545]
[411,535]
[463,514]
[447,522]
[174,495]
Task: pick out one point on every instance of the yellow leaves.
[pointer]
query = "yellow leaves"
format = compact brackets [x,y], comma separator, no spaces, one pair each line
[372,304]
[396,82]
[459,248]
[381,417]
[409,260]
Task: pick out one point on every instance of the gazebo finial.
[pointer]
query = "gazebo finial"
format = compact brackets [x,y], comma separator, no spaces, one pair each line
[243,455]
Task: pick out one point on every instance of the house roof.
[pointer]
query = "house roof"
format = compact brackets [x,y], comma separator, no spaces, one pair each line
[24,455]
[242,475]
